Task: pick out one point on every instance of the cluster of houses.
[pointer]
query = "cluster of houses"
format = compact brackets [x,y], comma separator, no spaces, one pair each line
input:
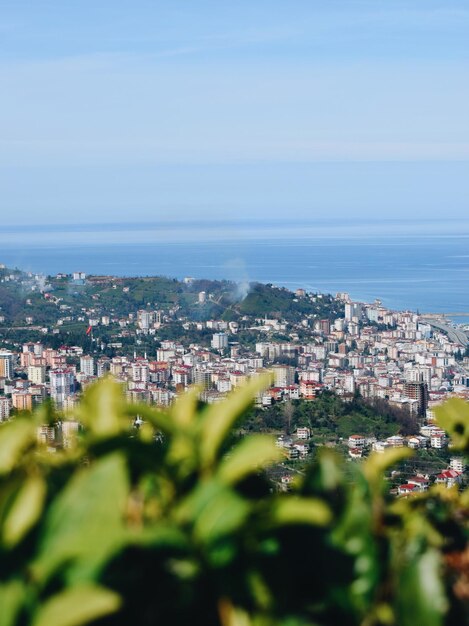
[454,476]
[407,360]
[297,446]
[430,437]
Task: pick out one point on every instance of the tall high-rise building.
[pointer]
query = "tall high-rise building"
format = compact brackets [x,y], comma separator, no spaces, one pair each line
[87,365]
[103,366]
[140,372]
[5,408]
[352,309]
[203,378]
[418,374]
[220,341]
[145,319]
[37,374]
[284,375]
[62,385]
[6,364]
[325,326]
[419,392]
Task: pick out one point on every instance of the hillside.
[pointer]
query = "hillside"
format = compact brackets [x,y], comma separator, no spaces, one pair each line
[46,299]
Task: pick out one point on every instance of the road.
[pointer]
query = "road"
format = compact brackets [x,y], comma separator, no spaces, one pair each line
[454,334]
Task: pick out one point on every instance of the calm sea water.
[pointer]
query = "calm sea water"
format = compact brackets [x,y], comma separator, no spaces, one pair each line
[414,265]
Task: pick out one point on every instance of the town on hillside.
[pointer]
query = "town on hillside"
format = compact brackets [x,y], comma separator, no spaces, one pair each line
[353,375]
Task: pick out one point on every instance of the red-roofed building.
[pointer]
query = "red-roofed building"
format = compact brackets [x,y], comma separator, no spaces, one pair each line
[356,441]
[449,478]
[407,489]
[309,389]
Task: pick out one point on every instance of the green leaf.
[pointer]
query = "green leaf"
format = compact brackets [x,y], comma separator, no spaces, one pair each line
[163,536]
[231,615]
[78,605]
[25,510]
[12,595]
[15,437]
[297,510]
[213,511]
[253,453]
[222,515]
[158,418]
[354,535]
[184,409]
[85,523]
[326,473]
[421,597]
[219,419]
[102,408]
[378,463]
[453,416]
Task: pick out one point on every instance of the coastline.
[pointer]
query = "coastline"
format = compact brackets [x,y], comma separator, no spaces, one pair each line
[418,265]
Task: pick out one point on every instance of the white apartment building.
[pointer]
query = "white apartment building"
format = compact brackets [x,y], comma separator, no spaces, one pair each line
[69,432]
[87,365]
[438,441]
[457,463]
[37,374]
[219,341]
[352,309]
[145,319]
[140,372]
[284,375]
[62,385]
[5,408]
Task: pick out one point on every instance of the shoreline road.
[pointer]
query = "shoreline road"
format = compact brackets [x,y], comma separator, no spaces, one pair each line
[454,334]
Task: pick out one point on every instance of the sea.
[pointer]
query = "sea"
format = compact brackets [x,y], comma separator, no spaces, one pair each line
[417,265]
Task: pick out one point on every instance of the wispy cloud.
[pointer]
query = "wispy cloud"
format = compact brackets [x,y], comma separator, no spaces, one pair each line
[75,152]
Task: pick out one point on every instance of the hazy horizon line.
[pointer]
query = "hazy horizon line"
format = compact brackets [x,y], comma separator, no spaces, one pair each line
[208,221]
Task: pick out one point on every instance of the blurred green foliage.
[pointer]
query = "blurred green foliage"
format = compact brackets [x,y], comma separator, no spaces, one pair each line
[175,522]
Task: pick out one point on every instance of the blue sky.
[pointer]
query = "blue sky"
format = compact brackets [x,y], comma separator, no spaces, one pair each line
[149,110]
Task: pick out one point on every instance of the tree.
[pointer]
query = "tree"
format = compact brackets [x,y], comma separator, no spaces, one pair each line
[288,411]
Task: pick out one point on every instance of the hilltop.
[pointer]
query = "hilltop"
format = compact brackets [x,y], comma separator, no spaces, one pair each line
[67,302]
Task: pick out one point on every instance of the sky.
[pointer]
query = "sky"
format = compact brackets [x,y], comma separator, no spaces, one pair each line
[112,110]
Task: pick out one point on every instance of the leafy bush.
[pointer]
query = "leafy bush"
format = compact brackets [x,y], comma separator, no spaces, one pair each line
[175,522]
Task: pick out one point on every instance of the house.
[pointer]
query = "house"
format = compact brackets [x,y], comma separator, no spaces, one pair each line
[407,489]
[419,481]
[292,392]
[449,478]
[429,430]
[285,482]
[438,441]
[396,441]
[380,446]
[356,441]
[303,449]
[309,389]
[457,463]
[303,433]
[417,442]
[284,442]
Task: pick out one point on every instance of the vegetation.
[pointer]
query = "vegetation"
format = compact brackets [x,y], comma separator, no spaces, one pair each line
[331,417]
[175,522]
[279,302]
[119,296]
